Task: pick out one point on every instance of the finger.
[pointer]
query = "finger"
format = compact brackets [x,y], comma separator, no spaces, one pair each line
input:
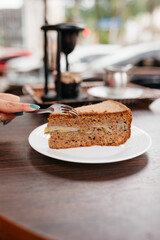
[9,97]
[12,107]
[6,117]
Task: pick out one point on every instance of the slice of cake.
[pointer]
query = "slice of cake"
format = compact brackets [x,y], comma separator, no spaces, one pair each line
[106,124]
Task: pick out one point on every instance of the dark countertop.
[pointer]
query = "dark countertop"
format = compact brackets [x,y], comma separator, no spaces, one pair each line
[45,198]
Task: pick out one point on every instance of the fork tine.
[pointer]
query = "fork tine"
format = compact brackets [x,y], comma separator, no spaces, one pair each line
[69,109]
[71,112]
[65,105]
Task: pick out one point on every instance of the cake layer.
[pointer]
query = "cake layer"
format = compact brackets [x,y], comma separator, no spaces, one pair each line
[96,136]
[107,123]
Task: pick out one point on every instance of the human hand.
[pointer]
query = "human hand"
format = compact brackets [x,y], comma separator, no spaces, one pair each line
[11,107]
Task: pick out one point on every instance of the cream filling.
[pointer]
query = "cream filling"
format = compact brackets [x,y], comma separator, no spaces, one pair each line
[60,129]
[121,126]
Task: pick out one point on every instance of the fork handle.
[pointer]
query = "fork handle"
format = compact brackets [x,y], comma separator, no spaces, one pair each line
[42,111]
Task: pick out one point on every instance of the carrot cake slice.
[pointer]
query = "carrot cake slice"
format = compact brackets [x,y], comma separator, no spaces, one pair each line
[106,124]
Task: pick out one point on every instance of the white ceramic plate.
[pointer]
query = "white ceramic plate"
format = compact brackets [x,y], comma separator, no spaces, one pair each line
[106,92]
[139,143]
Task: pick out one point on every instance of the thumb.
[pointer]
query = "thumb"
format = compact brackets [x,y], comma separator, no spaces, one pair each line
[7,117]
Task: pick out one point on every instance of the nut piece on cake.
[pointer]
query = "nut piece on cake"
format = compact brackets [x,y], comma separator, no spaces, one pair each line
[105,124]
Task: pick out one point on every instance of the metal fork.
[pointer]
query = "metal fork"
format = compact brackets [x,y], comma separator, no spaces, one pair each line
[58,108]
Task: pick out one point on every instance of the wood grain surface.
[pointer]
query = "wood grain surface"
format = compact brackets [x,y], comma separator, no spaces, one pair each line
[45,198]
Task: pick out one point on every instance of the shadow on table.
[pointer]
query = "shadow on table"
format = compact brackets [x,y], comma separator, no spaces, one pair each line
[88,172]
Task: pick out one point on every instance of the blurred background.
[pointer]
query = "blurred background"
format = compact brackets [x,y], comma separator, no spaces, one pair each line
[116,32]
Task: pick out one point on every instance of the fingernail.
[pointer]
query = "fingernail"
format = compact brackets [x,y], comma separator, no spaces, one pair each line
[5,123]
[34,106]
[18,113]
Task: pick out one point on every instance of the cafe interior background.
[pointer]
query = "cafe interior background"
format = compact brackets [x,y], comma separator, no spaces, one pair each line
[109,27]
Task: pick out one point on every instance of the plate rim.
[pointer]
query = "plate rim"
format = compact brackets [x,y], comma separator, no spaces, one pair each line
[83,161]
[114,96]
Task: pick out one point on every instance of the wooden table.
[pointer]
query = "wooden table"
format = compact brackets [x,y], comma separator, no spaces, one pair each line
[43,198]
